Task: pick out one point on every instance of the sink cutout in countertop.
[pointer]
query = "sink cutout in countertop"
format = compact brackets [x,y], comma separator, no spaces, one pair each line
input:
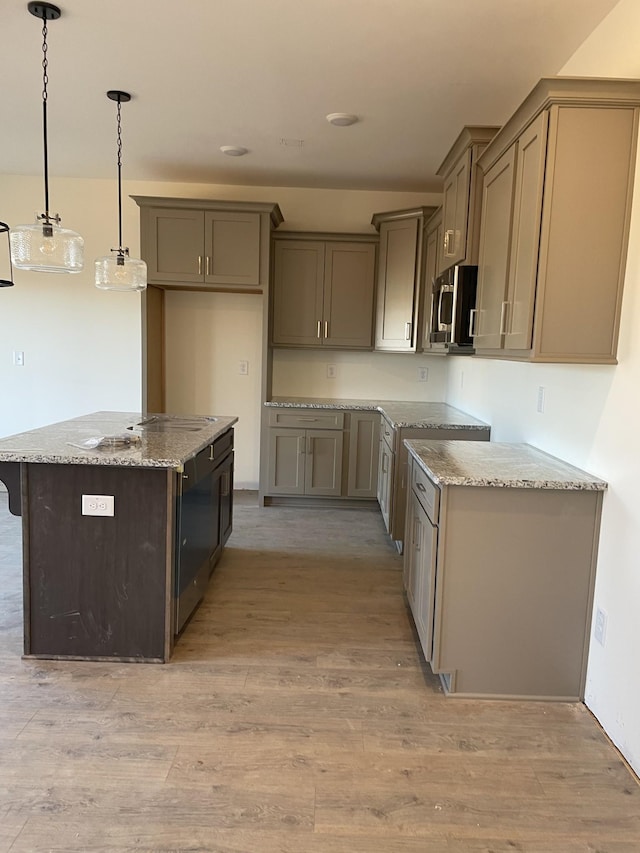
[169,423]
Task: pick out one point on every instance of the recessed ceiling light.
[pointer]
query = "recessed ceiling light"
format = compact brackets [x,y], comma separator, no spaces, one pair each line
[342,119]
[233,150]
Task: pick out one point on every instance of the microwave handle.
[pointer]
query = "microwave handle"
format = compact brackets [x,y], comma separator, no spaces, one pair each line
[472,322]
[447,288]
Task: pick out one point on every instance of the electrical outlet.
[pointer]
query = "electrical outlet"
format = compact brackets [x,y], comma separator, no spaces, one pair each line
[243,368]
[98,505]
[332,371]
[600,629]
[423,374]
[541,399]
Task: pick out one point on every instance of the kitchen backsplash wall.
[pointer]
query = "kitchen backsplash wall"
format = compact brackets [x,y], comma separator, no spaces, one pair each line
[381,376]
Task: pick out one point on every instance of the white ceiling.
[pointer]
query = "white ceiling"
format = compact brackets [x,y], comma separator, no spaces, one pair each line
[206,73]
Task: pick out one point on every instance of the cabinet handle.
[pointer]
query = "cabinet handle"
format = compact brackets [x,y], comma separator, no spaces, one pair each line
[307,419]
[407,331]
[417,539]
[309,445]
[326,328]
[211,453]
[472,322]
[319,329]
[199,264]
[503,318]
[226,482]
[447,242]
[208,265]
[384,464]
[420,487]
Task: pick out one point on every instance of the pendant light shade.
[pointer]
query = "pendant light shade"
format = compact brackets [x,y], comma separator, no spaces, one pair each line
[44,246]
[118,271]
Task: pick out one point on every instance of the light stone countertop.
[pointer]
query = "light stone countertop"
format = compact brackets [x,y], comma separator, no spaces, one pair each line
[498,464]
[398,414]
[166,442]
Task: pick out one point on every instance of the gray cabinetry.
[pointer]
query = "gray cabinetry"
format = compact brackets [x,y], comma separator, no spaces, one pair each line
[206,245]
[399,277]
[461,195]
[433,230]
[394,470]
[320,453]
[500,581]
[323,292]
[555,223]
[305,453]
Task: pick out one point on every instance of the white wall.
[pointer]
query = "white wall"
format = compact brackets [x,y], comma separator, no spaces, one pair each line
[591,419]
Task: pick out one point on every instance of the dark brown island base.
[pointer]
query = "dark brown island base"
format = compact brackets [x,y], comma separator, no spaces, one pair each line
[119,539]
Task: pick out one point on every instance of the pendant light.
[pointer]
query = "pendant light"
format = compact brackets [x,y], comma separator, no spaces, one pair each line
[44,246]
[6,282]
[118,271]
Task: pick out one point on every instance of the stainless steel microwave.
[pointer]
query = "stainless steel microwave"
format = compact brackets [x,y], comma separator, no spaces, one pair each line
[452,301]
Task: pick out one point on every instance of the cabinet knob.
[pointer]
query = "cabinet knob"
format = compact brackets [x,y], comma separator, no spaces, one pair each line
[407,331]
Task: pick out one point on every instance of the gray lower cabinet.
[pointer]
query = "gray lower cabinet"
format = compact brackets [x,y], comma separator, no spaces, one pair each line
[320,454]
[393,470]
[323,292]
[500,586]
[305,462]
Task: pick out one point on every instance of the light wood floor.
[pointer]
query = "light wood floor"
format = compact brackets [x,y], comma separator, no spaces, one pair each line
[295,717]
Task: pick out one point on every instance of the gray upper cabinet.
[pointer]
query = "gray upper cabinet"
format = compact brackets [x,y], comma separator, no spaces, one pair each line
[206,245]
[433,242]
[461,197]
[555,223]
[400,269]
[323,292]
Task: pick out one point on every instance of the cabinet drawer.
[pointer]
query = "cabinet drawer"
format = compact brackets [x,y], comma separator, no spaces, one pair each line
[427,493]
[306,419]
[388,434]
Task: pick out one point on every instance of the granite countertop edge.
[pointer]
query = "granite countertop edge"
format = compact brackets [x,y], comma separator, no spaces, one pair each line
[386,409]
[152,452]
[441,469]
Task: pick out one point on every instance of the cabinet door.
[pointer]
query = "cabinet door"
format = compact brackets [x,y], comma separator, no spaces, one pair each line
[433,248]
[395,313]
[364,439]
[176,245]
[348,295]
[298,292]
[425,583]
[226,499]
[323,462]
[412,552]
[527,212]
[455,212]
[493,267]
[385,478]
[286,461]
[232,248]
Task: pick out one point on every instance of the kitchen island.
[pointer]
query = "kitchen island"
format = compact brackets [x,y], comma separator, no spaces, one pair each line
[499,567]
[119,539]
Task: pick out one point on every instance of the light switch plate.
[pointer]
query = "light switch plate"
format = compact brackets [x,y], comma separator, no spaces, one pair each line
[98,505]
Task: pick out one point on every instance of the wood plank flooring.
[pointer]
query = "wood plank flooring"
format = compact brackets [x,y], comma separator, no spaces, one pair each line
[294,717]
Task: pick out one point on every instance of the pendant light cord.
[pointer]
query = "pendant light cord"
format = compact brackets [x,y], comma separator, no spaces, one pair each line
[120,250]
[45,95]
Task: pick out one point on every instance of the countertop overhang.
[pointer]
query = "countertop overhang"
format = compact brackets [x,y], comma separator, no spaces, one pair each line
[498,464]
[171,448]
[399,414]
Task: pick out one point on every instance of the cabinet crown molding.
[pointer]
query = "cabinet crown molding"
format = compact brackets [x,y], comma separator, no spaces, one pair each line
[409,213]
[272,208]
[564,91]
[468,136]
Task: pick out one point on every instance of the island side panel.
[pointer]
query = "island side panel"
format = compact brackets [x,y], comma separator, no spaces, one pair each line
[97,587]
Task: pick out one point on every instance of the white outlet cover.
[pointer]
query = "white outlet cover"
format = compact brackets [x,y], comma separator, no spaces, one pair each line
[102,505]
[332,371]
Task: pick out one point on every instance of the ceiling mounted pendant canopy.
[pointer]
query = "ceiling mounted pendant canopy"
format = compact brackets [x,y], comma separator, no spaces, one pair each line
[118,271]
[44,246]
[6,282]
